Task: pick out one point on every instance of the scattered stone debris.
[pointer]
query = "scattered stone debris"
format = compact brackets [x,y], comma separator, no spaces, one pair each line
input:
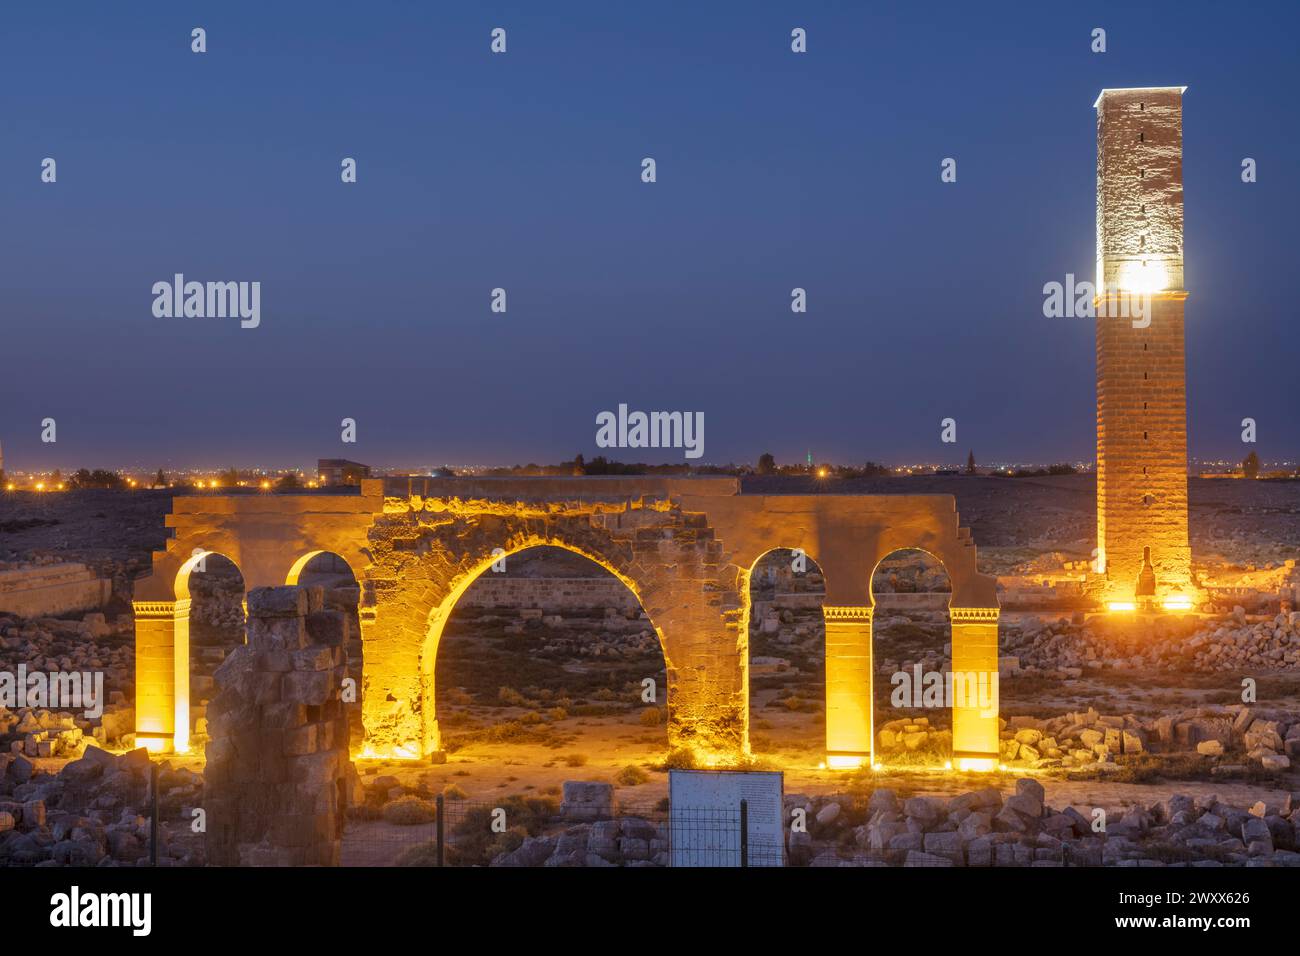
[1069,648]
[90,645]
[94,812]
[986,828]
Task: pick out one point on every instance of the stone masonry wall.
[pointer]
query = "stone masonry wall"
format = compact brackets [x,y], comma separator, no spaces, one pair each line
[275,786]
[549,594]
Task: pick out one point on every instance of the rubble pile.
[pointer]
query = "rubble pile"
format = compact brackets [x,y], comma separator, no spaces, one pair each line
[986,828]
[94,812]
[1233,643]
[47,646]
[1234,736]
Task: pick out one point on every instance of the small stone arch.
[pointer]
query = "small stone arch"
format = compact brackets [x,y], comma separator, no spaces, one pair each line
[176,615]
[935,750]
[750,626]
[196,561]
[299,565]
[350,625]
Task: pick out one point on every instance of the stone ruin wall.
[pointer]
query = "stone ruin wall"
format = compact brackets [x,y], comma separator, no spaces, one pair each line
[276,781]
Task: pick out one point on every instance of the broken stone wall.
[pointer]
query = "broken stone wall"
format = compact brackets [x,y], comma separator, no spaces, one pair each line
[277,761]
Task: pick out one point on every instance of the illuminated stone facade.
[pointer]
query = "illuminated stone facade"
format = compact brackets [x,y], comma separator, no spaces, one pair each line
[684,547]
[1141,378]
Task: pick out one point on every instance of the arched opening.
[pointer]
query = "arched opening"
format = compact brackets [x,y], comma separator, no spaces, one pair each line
[213,625]
[912,659]
[342,591]
[787,648]
[547,659]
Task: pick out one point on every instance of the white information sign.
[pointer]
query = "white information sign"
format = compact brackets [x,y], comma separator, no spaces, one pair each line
[704,817]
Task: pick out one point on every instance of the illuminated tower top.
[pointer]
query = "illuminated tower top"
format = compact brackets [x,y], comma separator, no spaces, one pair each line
[1140,189]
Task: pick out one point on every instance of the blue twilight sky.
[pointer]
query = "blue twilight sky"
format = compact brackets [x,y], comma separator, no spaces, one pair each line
[522,170]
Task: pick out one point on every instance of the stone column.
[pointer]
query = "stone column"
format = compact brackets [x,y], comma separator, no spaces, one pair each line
[975,687]
[397,659]
[849,679]
[162,674]
[707,710]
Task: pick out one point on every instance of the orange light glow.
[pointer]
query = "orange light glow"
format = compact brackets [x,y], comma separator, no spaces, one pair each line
[1121,606]
[843,762]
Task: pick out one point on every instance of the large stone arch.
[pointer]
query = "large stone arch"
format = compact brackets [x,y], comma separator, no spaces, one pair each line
[427,552]
[440,614]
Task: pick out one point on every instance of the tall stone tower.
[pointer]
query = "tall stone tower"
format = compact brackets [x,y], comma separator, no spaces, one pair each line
[1142,542]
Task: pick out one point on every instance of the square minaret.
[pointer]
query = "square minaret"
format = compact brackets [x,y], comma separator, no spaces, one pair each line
[1142,537]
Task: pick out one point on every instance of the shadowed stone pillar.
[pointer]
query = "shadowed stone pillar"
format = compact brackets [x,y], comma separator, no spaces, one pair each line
[277,778]
[849,728]
[974,687]
[162,674]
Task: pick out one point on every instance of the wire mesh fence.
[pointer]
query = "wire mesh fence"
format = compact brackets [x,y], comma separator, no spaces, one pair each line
[538,832]
[534,832]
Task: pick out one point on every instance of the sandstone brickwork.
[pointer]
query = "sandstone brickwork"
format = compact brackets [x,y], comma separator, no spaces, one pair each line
[275,789]
[1141,378]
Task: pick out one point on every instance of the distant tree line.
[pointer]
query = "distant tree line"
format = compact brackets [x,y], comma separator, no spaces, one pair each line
[99,478]
[600,465]
[1058,469]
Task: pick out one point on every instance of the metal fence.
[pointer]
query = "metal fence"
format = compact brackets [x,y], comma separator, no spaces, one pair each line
[536,832]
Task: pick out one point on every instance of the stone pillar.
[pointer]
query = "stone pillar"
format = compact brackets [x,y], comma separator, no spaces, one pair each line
[162,675]
[975,687]
[849,687]
[707,710]
[275,785]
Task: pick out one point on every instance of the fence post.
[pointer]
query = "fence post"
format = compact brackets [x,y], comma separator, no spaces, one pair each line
[153,814]
[744,833]
[441,803]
